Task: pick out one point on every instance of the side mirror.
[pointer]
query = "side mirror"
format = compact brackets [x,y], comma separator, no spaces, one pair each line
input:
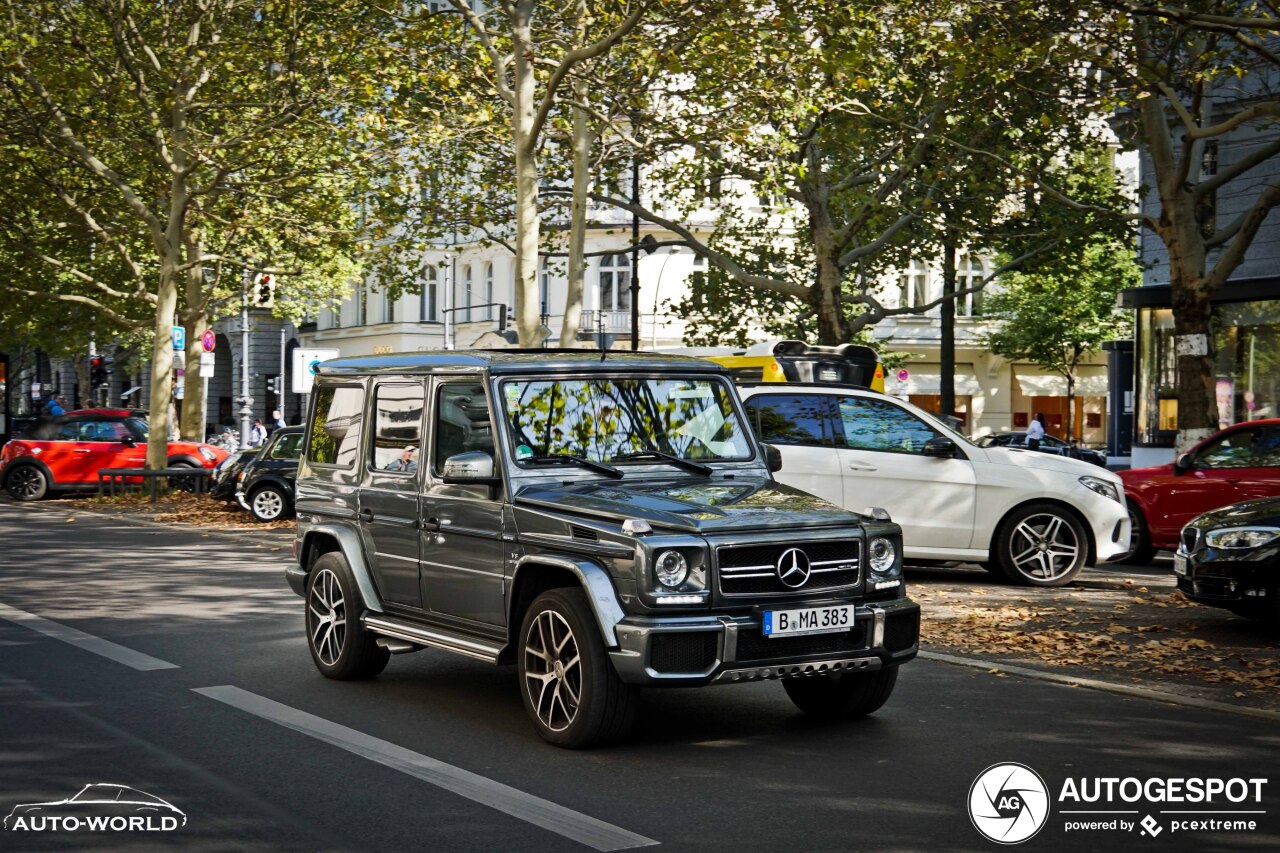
[1184,464]
[941,447]
[475,467]
[773,457]
[128,441]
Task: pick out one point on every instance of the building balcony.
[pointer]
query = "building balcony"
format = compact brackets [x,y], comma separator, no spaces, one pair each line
[612,322]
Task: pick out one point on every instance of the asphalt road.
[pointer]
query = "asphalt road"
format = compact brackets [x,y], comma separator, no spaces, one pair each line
[262,753]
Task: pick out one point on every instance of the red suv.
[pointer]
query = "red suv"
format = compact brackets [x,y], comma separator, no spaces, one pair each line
[65,453]
[1237,464]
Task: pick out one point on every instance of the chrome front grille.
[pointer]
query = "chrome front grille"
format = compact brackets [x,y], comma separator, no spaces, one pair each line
[753,569]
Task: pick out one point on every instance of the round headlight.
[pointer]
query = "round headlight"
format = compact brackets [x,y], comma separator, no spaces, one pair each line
[882,555]
[671,569]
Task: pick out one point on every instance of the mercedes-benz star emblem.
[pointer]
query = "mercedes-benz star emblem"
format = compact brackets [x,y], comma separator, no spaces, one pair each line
[793,568]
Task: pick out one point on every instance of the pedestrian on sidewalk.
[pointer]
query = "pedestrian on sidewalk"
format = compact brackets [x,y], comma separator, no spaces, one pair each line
[258,434]
[1035,432]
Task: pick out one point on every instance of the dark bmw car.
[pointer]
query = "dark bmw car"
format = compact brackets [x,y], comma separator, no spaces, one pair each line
[1048,444]
[1230,558]
[265,486]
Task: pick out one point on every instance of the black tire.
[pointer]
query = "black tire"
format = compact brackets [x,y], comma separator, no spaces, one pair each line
[558,621]
[844,696]
[182,484]
[1142,552]
[269,502]
[26,482]
[345,651]
[1041,544]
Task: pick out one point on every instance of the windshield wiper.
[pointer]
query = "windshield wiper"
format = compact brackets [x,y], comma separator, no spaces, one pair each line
[686,464]
[571,459]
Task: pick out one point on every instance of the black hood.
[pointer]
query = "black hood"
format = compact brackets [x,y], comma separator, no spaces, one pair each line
[1263,512]
[701,506]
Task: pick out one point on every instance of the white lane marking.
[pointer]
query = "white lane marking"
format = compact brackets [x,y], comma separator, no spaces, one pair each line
[563,821]
[88,642]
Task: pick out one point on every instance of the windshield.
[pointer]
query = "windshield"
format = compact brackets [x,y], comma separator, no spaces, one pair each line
[139,427]
[608,419]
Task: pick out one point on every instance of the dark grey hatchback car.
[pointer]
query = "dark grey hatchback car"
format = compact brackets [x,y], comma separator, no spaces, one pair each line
[602,522]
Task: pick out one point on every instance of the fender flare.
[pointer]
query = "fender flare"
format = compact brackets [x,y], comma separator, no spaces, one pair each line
[353,552]
[596,583]
[35,461]
[180,459]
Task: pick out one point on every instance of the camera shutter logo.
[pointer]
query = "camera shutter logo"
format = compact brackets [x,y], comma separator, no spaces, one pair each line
[1008,803]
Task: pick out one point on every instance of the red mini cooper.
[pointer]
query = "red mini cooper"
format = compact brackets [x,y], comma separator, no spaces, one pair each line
[65,453]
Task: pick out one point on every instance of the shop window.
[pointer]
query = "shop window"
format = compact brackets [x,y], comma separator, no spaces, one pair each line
[1093,420]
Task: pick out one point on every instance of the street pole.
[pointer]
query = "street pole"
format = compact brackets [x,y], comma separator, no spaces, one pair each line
[280,386]
[246,402]
[91,392]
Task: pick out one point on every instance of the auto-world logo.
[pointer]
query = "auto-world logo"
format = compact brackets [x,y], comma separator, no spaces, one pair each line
[100,807]
[1008,803]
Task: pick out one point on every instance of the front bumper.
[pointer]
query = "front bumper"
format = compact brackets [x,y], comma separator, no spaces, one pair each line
[1232,583]
[1108,521]
[687,651]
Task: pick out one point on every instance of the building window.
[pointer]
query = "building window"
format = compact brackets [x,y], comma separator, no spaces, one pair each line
[969,271]
[362,304]
[1246,341]
[430,296]
[388,308]
[466,293]
[488,290]
[615,282]
[913,286]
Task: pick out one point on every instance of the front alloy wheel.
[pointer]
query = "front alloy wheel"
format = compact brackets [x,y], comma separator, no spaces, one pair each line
[1042,545]
[569,687]
[268,504]
[340,646]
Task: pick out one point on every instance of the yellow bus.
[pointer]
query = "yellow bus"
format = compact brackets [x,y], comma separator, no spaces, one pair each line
[796,361]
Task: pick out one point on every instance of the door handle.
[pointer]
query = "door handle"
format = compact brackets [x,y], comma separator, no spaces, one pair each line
[78,450]
[858,466]
[1235,481]
[432,524]
[366,515]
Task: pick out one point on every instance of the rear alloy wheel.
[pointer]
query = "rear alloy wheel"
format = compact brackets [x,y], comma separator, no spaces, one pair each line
[568,684]
[269,503]
[340,646]
[1141,551]
[26,483]
[1041,545]
[844,696]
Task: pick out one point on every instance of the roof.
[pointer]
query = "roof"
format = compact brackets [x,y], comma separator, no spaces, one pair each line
[513,361]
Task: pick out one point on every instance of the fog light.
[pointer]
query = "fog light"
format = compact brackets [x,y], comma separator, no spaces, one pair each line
[671,569]
[882,554]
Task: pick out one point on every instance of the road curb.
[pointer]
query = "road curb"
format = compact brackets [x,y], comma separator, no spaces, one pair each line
[1105,686]
[264,538]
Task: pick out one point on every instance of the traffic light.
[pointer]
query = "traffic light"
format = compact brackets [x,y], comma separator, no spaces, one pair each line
[505,318]
[99,371]
[273,385]
[264,291]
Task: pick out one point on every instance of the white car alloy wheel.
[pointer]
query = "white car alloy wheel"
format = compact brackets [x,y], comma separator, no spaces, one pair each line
[553,670]
[1041,545]
[327,618]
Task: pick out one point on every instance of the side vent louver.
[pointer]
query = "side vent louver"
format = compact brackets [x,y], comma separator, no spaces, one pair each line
[583,533]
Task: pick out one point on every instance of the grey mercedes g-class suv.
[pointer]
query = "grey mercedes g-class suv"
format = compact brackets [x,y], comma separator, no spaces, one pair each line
[602,521]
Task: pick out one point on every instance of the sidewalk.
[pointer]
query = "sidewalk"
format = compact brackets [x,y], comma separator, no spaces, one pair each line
[1125,625]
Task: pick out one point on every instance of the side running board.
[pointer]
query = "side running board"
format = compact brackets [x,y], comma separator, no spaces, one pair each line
[484,650]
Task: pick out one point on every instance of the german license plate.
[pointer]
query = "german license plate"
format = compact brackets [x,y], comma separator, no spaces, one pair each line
[1180,564]
[808,620]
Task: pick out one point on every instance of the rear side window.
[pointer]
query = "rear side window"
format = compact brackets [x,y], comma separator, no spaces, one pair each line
[335,430]
[288,447]
[397,436]
[880,425]
[791,419]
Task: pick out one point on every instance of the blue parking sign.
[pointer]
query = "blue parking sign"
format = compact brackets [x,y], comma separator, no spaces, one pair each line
[179,338]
